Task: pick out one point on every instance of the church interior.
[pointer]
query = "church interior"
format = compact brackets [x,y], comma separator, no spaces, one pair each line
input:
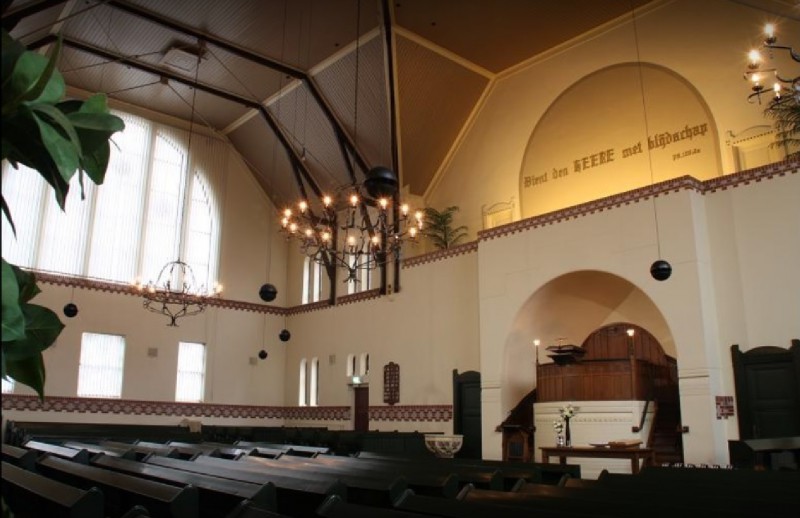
[555,243]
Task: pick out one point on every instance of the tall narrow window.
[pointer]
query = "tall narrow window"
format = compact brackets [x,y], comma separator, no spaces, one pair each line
[190,382]
[363,364]
[101,365]
[8,386]
[314,383]
[317,293]
[301,389]
[366,278]
[306,280]
[351,365]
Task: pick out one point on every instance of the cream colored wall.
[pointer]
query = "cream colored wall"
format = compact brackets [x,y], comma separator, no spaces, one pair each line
[232,336]
[485,166]
[429,328]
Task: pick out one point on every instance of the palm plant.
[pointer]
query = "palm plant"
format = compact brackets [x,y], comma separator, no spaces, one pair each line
[786,115]
[439,228]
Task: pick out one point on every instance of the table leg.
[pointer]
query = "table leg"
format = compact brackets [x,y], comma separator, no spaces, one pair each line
[635,464]
[562,460]
[545,458]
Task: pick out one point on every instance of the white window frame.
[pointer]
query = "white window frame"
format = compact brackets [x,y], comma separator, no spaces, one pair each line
[314,383]
[101,368]
[363,364]
[186,380]
[9,384]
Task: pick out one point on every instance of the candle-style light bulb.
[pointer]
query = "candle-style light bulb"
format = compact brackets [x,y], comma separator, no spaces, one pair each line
[630,332]
[769,31]
[326,236]
[412,232]
[755,58]
[309,232]
[536,342]
[326,201]
[302,206]
[376,240]
[404,209]
[383,202]
[777,89]
[293,227]
[353,200]
[287,213]
[351,241]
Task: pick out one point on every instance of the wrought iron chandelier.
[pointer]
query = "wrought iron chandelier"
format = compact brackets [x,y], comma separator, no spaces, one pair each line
[176,293]
[783,88]
[365,231]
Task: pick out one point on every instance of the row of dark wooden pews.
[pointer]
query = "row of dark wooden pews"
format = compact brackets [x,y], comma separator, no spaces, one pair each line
[95,476]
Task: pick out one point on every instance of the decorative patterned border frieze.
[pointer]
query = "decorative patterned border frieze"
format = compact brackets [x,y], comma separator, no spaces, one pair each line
[438,255]
[59,279]
[407,413]
[325,304]
[644,193]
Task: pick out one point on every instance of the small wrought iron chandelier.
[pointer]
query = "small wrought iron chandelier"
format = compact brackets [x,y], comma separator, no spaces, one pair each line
[364,232]
[176,293]
[783,88]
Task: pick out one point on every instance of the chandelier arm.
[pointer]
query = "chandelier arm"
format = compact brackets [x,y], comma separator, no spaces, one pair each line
[795,56]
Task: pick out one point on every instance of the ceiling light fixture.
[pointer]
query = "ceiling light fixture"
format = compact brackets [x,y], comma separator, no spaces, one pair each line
[344,234]
[782,88]
[176,293]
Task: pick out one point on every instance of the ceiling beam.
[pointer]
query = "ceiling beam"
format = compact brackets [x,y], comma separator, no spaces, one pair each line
[150,69]
[12,18]
[255,58]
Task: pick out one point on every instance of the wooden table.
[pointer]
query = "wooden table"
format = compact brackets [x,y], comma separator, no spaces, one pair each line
[634,454]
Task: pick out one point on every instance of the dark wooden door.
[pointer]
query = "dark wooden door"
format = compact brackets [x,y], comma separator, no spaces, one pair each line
[467,412]
[768,391]
[361,409]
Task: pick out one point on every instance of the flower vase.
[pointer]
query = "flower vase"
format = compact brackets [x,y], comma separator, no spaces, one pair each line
[559,440]
[567,436]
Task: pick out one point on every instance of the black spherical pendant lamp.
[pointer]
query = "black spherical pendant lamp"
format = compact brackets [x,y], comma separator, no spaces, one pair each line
[70,310]
[661,270]
[285,335]
[262,354]
[381,182]
[268,292]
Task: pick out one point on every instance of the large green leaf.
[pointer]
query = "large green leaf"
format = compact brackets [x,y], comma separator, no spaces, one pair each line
[29,371]
[42,327]
[27,284]
[59,121]
[61,150]
[30,80]
[97,121]
[12,50]
[13,320]
[95,163]
[51,87]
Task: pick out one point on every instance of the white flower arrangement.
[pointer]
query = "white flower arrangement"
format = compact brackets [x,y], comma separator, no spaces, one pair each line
[558,426]
[567,412]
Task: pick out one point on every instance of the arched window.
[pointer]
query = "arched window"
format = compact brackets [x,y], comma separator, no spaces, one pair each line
[306,280]
[301,389]
[157,204]
[314,383]
[363,364]
[351,365]
[317,293]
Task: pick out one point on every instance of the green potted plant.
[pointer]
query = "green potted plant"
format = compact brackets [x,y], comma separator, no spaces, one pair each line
[57,138]
[439,228]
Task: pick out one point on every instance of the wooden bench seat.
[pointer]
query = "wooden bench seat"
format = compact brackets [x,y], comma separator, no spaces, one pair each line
[143,449]
[20,457]
[335,507]
[453,508]
[81,456]
[32,495]
[296,496]
[124,452]
[288,449]
[123,491]
[484,477]
[667,502]
[218,496]
[379,490]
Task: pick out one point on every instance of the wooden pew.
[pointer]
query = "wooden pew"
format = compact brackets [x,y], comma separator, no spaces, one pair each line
[80,456]
[112,451]
[631,502]
[267,453]
[218,496]
[288,449]
[298,497]
[418,477]
[226,451]
[143,449]
[249,510]
[32,495]
[123,491]
[530,472]
[380,490]
[25,459]
[335,507]
[452,508]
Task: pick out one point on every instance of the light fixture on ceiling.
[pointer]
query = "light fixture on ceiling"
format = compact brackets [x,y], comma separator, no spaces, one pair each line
[176,293]
[783,89]
[349,234]
[365,230]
